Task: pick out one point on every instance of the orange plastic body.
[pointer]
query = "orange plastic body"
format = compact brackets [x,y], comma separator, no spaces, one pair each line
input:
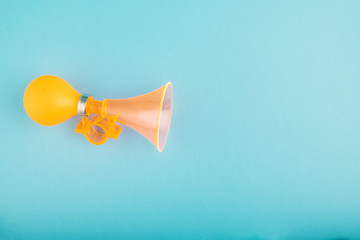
[149,114]
[50,100]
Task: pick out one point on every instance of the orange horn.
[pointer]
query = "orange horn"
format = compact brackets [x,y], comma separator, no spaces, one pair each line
[50,100]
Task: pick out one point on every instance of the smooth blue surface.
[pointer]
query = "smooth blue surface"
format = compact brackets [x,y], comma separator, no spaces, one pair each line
[265,135]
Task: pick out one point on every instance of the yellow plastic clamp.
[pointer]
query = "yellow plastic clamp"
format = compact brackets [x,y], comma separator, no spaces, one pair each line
[98,129]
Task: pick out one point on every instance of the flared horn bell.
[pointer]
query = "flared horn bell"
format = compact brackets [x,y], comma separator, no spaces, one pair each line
[50,100]
[148,114]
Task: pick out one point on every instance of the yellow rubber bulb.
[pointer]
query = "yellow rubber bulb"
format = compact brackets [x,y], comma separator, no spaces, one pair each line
[50,100]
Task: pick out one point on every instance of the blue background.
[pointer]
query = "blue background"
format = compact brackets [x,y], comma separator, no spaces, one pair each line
[265,135]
